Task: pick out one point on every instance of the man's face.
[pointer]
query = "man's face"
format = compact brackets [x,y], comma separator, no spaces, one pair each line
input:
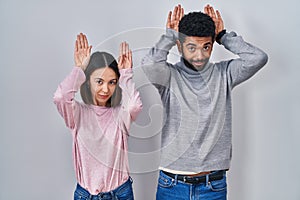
[196,50]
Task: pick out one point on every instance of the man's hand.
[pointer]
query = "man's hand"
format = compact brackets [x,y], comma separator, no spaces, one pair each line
[216,17]
[82,51]
[175,17]
[125,56]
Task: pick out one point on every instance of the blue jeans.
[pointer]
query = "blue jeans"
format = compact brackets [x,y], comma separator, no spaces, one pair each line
[169,188]
[123,192]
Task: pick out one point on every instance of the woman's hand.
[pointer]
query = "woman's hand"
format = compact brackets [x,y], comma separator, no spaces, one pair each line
[125,56]
[82,51]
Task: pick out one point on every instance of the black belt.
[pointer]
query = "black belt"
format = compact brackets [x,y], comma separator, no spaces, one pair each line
[213,176]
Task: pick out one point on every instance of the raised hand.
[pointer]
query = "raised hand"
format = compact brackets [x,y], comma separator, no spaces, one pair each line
[216,17]
[82,51]
[175,17]
[125,56]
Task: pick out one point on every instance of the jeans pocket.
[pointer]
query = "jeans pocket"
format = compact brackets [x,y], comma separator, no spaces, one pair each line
[165,182]
[77,196]
[218,185]
[125,194]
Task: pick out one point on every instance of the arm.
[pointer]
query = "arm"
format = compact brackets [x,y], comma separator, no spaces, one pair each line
[251,59]
[131,101]
[155,63]
[64,95]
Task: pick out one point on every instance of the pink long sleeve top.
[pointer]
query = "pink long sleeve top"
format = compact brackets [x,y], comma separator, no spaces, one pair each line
[99,133]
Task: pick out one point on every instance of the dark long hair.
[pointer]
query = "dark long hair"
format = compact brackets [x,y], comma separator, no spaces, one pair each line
[100,60]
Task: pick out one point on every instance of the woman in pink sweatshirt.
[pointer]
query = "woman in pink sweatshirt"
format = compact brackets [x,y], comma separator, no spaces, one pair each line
[100,126]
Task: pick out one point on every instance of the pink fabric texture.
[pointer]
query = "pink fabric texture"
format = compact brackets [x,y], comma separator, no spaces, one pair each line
[99,133]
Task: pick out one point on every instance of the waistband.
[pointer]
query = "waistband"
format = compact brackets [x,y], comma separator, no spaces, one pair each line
[212,176]
[102,195]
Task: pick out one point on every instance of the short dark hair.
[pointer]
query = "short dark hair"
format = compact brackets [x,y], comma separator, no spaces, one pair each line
[100,60]
[196,24]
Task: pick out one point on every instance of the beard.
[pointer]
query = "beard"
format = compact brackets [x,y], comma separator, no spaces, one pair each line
[196,64]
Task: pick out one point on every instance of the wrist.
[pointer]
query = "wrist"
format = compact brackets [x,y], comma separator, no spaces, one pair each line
[172,34]
[220,35]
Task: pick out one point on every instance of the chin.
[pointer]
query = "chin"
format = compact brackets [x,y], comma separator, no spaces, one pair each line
[198,67]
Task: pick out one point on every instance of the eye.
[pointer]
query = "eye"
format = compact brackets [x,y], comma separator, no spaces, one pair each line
[206,48]
[113,82]
[191,49]
[99,81]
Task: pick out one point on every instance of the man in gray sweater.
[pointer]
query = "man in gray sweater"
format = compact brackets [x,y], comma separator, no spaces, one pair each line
[196,95]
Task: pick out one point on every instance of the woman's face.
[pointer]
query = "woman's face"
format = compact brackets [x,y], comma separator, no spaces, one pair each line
[103,82]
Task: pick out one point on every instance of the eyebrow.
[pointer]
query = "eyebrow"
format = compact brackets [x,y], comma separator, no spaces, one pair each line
[194,45]
[208,43]
[190,44]
[114,79]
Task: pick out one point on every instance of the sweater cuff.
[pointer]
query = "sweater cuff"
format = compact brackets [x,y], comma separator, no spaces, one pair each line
[172,34]
[79,74]
[125,71]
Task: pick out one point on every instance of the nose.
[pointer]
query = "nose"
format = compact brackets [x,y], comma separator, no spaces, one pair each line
[199,54]
[105,88]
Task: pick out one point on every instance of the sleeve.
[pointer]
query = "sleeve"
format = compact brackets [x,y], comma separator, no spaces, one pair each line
[154,64]
[131,103]
[251,59]
[65,93]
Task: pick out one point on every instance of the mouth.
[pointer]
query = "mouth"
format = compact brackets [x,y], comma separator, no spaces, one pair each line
[103,96]
[198,64]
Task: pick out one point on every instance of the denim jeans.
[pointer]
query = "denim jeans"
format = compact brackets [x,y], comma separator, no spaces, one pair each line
[172,189]
[123,192]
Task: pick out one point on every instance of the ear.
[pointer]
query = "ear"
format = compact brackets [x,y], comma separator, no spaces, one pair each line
[179,46]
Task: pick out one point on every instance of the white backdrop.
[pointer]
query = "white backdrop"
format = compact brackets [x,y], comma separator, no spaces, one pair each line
[36,49]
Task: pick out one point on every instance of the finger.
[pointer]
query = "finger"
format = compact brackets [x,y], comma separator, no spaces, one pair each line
[120,52]
[81,43]
[85,42]
[206,10]
[120,62]
[219,16]
[178,12]
[221,23]
[209,10]
[169,19]
[123,48]
[78,42]
[213,14]
[130,58]
[76,46]
[181,13]
[174,13]
[89,50]
[127,49]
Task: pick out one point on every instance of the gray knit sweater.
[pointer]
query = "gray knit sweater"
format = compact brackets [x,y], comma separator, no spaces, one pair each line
[196,134]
